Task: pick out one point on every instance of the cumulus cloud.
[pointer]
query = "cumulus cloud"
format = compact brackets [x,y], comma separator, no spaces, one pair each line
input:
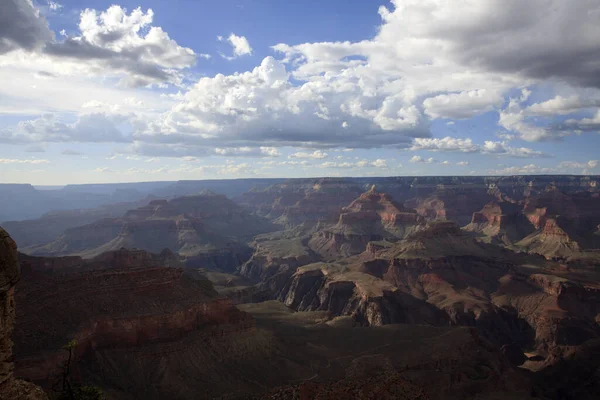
[450,144]
[379,163]
[582,125]
[22,26]
[462,105]
[428,60]
[445,144]
[315,155]
[240,44]
[248,151]
[93,128]
[109,43]
[421,160]
[502,148]
[560,105]
[126,44]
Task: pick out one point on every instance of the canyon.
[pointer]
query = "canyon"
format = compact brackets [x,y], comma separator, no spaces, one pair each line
[322,287]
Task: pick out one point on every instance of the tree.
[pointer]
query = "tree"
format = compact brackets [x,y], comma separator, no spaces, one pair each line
[69,391]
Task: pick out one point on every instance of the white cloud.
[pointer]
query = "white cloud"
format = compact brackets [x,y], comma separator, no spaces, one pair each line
[450,144]
[240,44]
[502,148]
[54,6]
[428,60]
[462,163]
[315,155]
[522,170]
[462,105]
[111,43]
[379,163]
[445,144]
[95,127]
[21,161]
[248,151]
[584,124]
[561,106]
[421,160]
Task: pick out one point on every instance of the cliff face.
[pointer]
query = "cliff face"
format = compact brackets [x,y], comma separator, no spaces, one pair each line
[205,228]
[322,287]
[550,240]
[453,203]
[565,223]
[501,222]
[10,388]
[114,308]
[441,276]
[371,217]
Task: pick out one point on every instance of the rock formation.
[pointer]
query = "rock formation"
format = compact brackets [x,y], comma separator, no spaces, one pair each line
[501,222]
[10,388]
[137,310]
[451,203]
[202,228]
[372,216]
[565,223]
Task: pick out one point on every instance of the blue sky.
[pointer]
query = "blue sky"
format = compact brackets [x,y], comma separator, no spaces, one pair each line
[94,91]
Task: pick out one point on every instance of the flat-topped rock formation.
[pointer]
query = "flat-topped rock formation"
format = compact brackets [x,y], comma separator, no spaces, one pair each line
[200,227]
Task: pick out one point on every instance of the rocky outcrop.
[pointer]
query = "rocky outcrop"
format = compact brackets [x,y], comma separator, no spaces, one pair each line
[501,222]
[302,201]
[451,203]
[371,217]
[371,302]
[115,308]
[565,223]
[10,388]
[276,257]
[550,240]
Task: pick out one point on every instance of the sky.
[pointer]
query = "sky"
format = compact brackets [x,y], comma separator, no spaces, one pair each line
[93,91]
